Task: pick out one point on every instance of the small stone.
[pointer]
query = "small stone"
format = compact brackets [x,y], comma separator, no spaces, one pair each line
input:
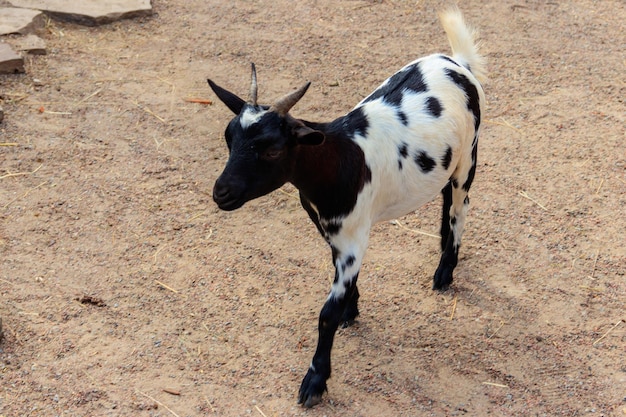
[33,44]
[38,83]
[10,62]
[15,20]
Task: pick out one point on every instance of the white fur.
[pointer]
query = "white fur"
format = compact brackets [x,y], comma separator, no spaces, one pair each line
[250,116]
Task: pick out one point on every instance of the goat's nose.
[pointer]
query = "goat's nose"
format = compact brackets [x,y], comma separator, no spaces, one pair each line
[220,191]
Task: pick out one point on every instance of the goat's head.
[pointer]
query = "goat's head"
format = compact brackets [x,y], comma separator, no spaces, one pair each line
[262,141]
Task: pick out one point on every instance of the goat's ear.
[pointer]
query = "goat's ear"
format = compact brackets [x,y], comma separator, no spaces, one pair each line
[307,136]
[232,101]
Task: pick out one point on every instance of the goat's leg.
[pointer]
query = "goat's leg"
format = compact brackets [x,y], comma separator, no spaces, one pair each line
[314,383]
[457,189]
[352,309]
[445,214]
[340,307]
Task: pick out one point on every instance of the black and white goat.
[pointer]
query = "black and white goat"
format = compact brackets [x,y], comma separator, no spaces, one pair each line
[413,137]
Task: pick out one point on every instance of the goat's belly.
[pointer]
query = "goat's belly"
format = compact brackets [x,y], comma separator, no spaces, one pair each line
[394,202]
[402,208]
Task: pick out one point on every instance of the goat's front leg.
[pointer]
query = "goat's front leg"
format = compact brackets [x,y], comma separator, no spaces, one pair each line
[340,307]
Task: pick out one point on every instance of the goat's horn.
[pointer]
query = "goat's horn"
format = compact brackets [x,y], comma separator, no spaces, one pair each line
[253,87]
[285,103]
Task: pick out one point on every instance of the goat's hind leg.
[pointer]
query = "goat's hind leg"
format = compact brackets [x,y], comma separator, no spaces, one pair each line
[455,206]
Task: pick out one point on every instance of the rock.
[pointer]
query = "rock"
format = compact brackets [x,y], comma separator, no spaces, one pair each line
[10,62]
[14,20]
[88,12]
[33,44]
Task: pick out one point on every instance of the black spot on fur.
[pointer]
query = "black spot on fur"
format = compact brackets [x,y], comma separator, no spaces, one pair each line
[434,106]
[410,78]
[348,262]
[403,118]
[471,92]
[466,200]
[447,58]
[356,122]
[425,162]
[403,150]
[447,158]
[453,221]
[472,171]
[454,182]
[332,228]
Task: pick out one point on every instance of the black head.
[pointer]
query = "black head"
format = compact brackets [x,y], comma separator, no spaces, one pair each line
[262,141]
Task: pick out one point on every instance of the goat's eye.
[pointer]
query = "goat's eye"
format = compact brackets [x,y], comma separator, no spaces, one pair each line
[272,154]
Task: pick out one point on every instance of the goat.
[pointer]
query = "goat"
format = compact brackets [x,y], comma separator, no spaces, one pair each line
[415,136]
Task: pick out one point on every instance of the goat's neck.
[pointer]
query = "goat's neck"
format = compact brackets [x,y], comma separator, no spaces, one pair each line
[330,175]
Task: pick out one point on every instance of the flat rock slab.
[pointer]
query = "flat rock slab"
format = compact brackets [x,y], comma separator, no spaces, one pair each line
[88,12]
[32,44]
[16,20]
[10,62]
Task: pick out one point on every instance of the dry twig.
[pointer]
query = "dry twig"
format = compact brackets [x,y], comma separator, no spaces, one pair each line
[147,110]
[493,384]
[158,402]
[419,232]
[607,332]
[209,403]
[16,174]
[167,287]
[525,195]
[453,308]
[198,100]
[505,124]
[24,195]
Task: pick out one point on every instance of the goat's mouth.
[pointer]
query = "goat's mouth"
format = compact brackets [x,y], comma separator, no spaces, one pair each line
[229,205]
[226,200]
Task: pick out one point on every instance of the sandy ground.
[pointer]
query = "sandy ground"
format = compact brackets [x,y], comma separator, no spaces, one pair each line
[125,291]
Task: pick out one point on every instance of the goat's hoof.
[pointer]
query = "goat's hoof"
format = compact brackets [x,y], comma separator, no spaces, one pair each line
[311,390]
[443,278]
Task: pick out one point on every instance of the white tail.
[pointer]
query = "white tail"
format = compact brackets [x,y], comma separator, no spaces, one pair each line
[462,40]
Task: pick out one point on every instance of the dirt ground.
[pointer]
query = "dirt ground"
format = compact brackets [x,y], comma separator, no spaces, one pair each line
[126,292]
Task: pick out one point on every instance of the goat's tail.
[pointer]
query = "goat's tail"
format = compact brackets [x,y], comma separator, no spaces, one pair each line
[462,39]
